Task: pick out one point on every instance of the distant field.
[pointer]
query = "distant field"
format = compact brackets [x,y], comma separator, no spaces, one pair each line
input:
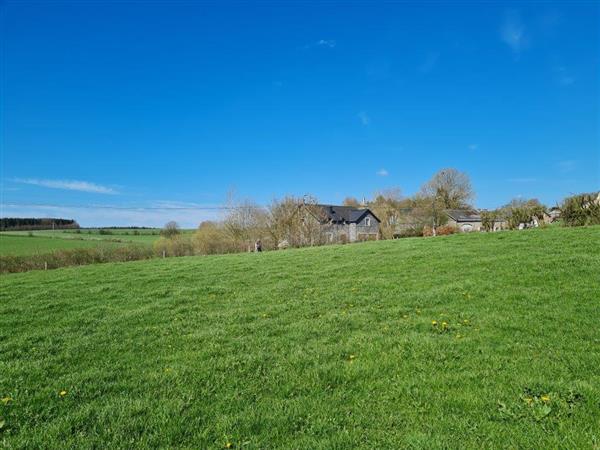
[463,341]
[24,245]
[144,236]
[43,241]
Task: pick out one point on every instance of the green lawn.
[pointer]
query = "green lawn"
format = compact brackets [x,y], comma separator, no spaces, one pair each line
[329,347]
[17,245]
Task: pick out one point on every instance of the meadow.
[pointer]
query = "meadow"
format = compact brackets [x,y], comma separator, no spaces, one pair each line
[462,341]
[146,236]
[19,245]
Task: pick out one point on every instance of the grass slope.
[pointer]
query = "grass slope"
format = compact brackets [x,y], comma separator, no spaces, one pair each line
[23,245]
[328,347]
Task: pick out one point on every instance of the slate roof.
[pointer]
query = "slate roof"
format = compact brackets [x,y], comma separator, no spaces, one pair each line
[345,214]
[464,215]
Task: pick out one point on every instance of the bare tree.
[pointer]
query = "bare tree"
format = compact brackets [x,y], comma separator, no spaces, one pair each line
[386,207]
[351,201]
[245,223]
[285,220]
[170,230]
[447,189]
[450,188]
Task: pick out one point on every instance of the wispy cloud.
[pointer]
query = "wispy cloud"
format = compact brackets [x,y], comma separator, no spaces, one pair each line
[103,216]
[473,147]
[329,43]
[364,118]
[513,33]
[70,185]
[382,173]
[563,77]
[566,166]
[429,63]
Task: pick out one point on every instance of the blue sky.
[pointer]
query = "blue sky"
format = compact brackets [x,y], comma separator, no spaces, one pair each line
[165,104]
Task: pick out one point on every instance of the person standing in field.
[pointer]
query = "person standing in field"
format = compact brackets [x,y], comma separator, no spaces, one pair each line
[258,246]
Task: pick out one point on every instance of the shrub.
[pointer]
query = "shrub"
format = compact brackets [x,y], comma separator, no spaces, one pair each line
[73,257]
[175,246]
[410,232]
[211,238]
[446,230]
[582,209]
[104,231]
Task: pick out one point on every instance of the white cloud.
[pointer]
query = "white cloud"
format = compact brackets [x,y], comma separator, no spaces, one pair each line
[513,33]
[106,216]
[382,173]
[329,43]
[473,147]
[364,118]
[70,185]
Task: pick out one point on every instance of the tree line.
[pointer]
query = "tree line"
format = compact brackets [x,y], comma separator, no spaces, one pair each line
[283,223]
[30,223]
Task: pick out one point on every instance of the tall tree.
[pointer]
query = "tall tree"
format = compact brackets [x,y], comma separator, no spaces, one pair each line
[447,189]
[450,188]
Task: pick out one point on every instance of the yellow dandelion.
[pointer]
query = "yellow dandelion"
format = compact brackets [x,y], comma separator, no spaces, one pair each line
[434,322]
[545,398]
[444,325]
[228,445]
[62,393]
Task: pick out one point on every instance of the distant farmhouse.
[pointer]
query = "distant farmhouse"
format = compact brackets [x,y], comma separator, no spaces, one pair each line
[345,223]
[464,220]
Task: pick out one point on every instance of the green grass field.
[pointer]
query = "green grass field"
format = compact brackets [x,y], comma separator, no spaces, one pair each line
[50,240]
[23,245]
[91,235]
[331,347]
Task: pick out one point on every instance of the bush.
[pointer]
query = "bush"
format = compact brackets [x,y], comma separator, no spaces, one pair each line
[73,257]
[409,232]
[582,209]
[104,231]
[443,230]
[210,239]
[176,246]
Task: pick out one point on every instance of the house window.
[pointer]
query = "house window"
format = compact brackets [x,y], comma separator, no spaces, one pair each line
[368,221]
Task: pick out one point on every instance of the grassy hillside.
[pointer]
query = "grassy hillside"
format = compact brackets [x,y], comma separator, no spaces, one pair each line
[330,347]
[24,245]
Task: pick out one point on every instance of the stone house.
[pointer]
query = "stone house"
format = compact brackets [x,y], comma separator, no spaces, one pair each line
[345,223]
[465,220]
